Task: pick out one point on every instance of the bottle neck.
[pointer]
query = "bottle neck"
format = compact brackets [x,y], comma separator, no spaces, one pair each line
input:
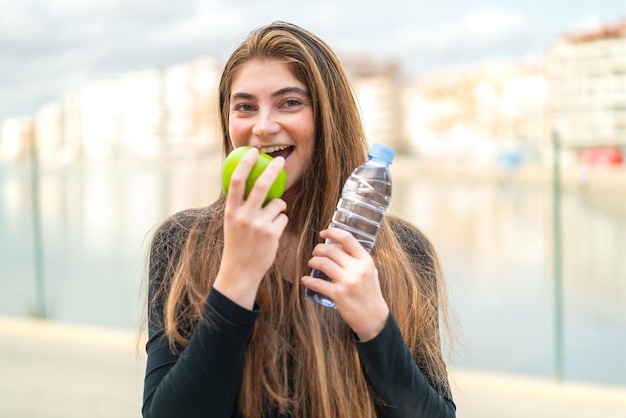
[379,161]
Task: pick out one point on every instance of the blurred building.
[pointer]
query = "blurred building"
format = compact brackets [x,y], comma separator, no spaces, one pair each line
[99,119]
[192,124]
[48,124]
[16,139]
[146,114]
[476,112]
[141,115]
[378,88]
[587,73]
[587,76]
[467,113]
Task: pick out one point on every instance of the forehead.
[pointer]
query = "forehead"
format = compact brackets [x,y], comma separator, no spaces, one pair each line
[259,73]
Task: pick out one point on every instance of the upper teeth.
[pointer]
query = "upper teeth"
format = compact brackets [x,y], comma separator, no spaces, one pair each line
[273,148]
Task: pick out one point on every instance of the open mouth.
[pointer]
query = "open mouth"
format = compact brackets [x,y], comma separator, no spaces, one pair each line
[278,151]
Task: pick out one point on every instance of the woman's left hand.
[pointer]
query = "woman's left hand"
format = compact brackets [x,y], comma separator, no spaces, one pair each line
[354,288]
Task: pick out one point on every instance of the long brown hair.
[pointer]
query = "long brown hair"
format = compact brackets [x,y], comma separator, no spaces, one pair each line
[301,357]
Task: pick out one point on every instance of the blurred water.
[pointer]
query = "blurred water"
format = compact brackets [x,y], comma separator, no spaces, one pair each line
[496,245]
[495,242]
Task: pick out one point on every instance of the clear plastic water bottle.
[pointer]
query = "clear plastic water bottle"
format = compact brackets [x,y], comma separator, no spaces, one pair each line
[364,199]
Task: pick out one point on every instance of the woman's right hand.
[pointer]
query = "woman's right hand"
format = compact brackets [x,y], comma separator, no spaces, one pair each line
[251,231]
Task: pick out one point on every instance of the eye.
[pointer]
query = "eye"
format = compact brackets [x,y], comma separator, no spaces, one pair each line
[289,103]
[244,107]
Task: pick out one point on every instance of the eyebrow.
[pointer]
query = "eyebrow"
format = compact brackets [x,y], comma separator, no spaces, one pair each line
[277,93]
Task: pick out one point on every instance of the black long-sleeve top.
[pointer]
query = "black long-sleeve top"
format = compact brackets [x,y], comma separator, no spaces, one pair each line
[202,380]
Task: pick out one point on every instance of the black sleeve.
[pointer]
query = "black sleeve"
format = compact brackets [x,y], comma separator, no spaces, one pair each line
[402,390]
[402,387]
[202,379]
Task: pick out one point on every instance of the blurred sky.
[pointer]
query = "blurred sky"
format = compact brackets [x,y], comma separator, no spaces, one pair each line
[49,47]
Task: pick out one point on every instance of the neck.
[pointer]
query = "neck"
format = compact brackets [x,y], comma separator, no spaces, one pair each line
[289,196]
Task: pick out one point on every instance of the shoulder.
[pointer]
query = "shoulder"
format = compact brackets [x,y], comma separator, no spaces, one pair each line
[169,239]
[412,239]
[417,246]
[175,228]
[171,235]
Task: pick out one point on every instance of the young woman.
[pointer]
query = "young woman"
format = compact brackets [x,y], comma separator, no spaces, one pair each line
[231,333]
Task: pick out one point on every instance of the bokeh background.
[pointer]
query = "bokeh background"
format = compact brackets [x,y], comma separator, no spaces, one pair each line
[509,119]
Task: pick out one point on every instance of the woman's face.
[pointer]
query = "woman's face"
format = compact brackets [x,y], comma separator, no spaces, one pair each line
[271,110]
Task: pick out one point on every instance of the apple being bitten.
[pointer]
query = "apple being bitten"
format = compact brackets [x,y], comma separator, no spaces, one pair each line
[232,160]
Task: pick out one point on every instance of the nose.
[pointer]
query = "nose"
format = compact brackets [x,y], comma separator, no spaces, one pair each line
[266,124]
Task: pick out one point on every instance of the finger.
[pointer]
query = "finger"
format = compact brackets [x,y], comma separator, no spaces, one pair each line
[322,286]
[347,241]
[265,181]
[281,222]
[273,213]
[237,187]
[274,208]
[333,251]
[326,265]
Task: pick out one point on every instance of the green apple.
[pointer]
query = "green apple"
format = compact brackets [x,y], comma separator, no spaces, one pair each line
[232,161]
